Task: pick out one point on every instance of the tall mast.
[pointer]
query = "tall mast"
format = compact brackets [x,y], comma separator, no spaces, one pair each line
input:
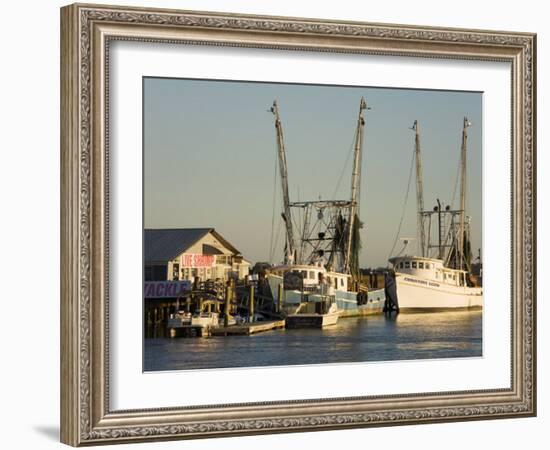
[439,232]
[289,253]
[419,187]
[355,181]
[460,252]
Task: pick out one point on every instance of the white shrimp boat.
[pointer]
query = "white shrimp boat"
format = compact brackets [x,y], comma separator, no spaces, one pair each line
[439,279]
[426,284]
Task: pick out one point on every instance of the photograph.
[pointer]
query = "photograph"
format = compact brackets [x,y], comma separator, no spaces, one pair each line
[296,224]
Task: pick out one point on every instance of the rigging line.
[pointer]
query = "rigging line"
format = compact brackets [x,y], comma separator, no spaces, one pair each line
[295,222]
[404,206]
[456,182]
[277,235]
[350,151]
[271,245]
[402,250]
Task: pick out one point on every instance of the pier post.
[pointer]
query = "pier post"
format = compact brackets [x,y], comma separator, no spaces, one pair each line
[228,293]
[280,293]
[251,303]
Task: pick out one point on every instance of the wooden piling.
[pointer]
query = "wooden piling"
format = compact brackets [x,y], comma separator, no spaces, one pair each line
[280,293]
[251,303]
[228,294]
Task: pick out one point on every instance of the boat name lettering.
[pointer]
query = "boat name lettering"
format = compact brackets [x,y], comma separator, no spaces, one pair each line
[424,282]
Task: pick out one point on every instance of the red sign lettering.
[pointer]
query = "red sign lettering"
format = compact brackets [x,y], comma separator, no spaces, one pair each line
[194,260]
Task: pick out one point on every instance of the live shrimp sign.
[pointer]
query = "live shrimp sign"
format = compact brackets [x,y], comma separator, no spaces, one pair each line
[197,261]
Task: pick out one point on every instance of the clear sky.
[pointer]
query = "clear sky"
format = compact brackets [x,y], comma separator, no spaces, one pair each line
[210,155]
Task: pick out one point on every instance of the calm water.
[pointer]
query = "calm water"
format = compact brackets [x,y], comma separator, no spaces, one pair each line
[374,338]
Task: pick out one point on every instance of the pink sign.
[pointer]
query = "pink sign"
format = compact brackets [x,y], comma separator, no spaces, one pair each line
[159,289]
[197,261]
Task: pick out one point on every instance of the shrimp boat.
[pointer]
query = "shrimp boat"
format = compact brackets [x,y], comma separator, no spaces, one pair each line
[319,281]
[439,278]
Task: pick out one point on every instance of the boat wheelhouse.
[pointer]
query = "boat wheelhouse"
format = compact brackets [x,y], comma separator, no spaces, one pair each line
[430,269]
[315,276]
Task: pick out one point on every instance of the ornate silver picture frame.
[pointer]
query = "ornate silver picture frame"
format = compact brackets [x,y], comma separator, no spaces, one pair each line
[87,33]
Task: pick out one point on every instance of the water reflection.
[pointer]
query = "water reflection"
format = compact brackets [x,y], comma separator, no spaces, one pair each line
[374,338]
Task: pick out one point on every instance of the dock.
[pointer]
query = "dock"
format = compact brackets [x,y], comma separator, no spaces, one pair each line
[247,329]
[189,331]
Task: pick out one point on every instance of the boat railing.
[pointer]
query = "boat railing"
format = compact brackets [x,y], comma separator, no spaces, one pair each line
[311,289]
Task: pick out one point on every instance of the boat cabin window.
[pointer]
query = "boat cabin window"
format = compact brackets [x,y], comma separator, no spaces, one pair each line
[341,281]
[420,265]
[413,264]
[407,265]
[312,275]
[428,266]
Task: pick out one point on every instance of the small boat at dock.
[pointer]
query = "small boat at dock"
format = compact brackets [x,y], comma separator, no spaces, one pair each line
[314,314]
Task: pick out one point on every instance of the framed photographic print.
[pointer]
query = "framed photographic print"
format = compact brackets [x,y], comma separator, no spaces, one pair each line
[276,224]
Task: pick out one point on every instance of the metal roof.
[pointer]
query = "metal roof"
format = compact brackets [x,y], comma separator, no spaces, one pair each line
[165,244]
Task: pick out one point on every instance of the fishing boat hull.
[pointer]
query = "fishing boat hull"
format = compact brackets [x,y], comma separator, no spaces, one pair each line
[418,294]
[346,301]
[312,320]
[349,306]
[314,314]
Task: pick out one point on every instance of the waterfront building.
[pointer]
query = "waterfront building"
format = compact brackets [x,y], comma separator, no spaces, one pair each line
[179,254]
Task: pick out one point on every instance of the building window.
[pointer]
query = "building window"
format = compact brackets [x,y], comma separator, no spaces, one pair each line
[223,259]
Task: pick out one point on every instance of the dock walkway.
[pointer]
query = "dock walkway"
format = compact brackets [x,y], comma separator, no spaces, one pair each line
[247,329]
